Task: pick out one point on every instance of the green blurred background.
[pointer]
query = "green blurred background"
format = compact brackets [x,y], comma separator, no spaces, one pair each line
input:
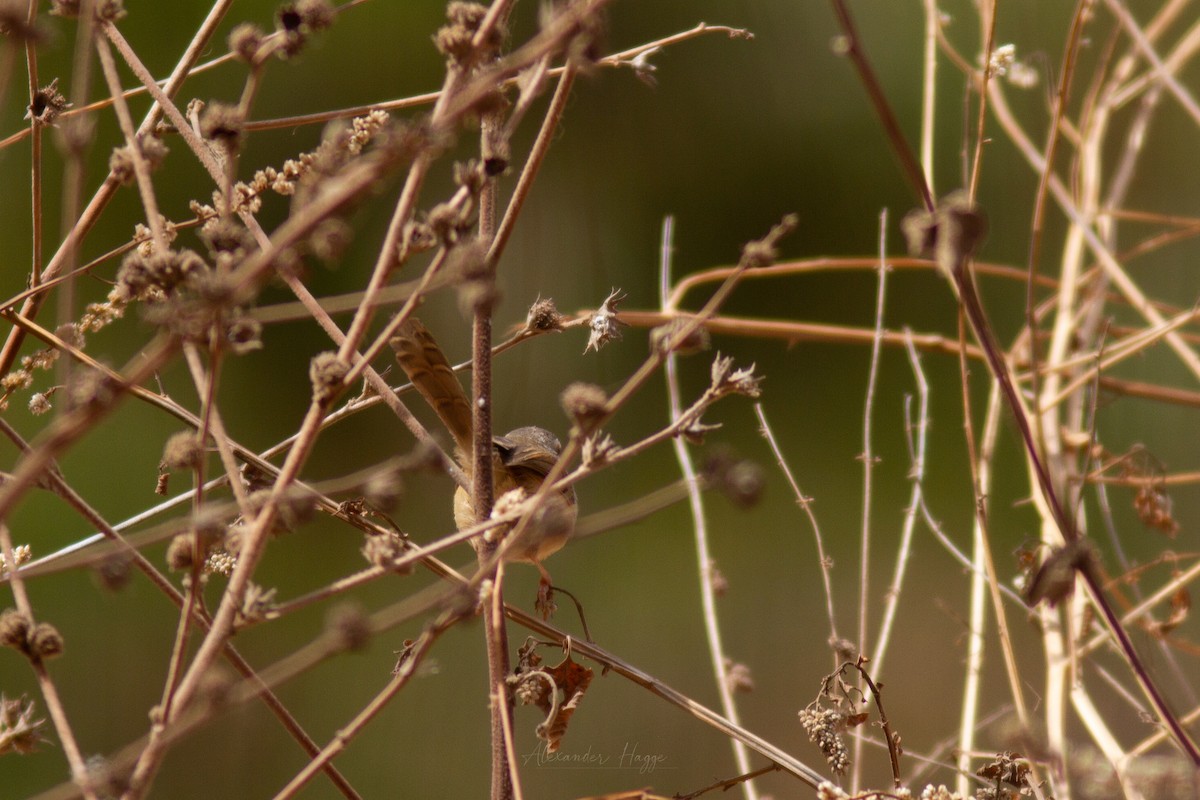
[735,134]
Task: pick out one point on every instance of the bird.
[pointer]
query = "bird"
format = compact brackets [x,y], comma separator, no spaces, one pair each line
[522,457]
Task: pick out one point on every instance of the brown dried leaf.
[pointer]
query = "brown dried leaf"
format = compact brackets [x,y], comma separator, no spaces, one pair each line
[573,679]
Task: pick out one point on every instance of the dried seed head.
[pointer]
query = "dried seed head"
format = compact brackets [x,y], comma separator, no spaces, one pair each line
[586,405]
[316,15]
[257,606]
[597,449]
[726,380]
[48,103]
[106,10]
[121,162]
[604,324]
[243,335]
[19,731]
[383,549]
[471,175]
[824,727]
[543,316]
[113,573]
[329,239]
[45,641]
[180,553]
[184,450]
[21,554]
[738,677]
[697,339]
[39,404]
[349,627]
[245,41]
[224,123]
[448,222]
[14,629]
[15,25]
[327,371]
[384,489]
[456,39]
[740,480]
[950,234]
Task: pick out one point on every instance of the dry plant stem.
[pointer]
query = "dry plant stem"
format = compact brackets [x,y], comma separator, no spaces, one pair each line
[1162,73]
[728,783]
[805,503]
[1012,669]
[929,91]
[90,215]
[500,700]
[140,169]
[983,579]
[1066,73]
[35,157]
[853,48]
[54,704]
[533,163]
[868,461]
[989,42]
[705,563]
[917,475]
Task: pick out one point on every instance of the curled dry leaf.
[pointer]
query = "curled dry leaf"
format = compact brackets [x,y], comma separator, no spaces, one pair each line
[573,679]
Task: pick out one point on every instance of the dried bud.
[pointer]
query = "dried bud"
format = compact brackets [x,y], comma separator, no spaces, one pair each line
[327,372]
[586,405]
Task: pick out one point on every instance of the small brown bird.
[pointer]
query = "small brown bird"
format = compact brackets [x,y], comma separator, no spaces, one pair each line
[523,457]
